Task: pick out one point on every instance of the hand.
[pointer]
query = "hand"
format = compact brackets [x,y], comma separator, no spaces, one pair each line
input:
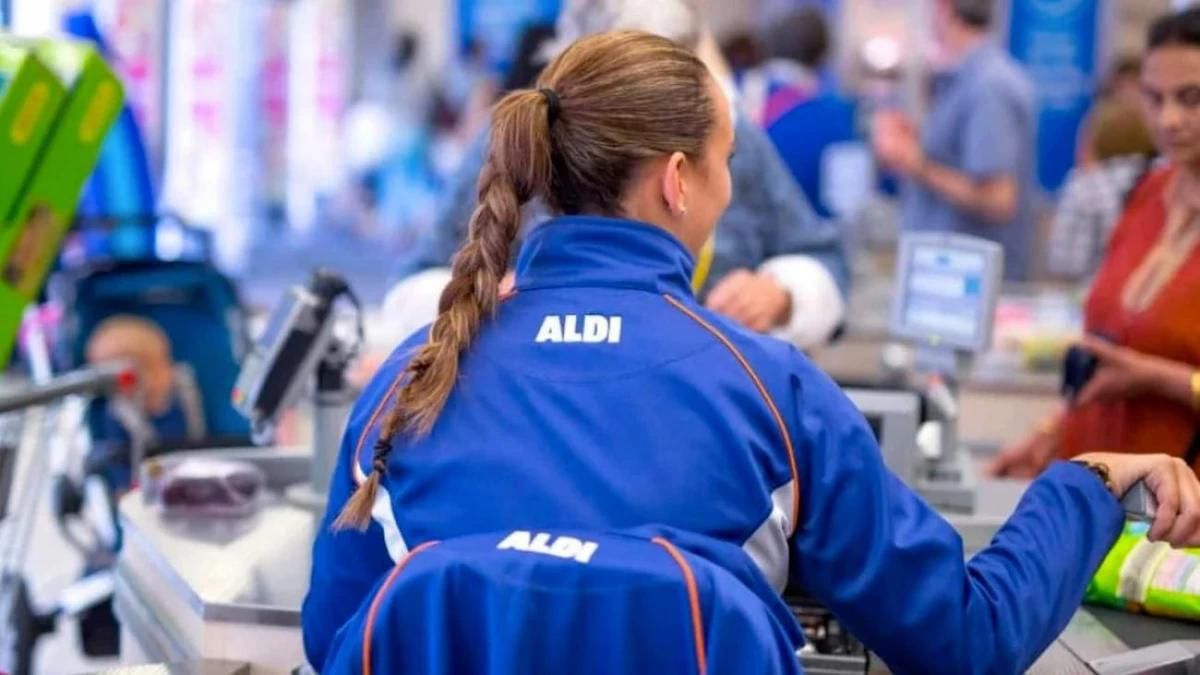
[1120,373]
[1026,459]
[894,139]
[756,301]
[1175,488]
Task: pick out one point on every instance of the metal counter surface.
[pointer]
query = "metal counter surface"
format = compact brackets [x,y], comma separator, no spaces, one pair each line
[1138,630]
[212,589]
[204,667]
[196,557]
[177,588]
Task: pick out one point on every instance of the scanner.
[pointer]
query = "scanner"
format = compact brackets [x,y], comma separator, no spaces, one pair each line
[947,287]
[298,349]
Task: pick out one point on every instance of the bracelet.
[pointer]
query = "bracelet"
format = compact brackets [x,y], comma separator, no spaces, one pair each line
[1101,472]
[1196,391]
[1050,426]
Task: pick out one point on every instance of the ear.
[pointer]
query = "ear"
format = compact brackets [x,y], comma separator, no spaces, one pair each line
[674,186]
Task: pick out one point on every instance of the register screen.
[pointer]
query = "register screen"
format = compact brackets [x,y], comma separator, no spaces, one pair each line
[278,321]
[944,296]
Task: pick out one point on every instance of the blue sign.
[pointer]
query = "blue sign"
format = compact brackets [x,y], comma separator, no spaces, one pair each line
[1056,41]
[495,26]
[770,8]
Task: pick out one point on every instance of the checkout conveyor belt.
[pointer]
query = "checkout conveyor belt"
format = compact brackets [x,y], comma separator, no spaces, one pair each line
[1138,631]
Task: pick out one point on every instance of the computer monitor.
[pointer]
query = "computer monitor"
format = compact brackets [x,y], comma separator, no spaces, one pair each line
[894,415]
[946,290]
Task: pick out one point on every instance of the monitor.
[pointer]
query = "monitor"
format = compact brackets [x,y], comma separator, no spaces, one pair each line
[946,290]
[284,358]
[893,415]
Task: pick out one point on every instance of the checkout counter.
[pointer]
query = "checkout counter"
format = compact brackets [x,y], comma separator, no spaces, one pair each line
[190,589]
[233,592]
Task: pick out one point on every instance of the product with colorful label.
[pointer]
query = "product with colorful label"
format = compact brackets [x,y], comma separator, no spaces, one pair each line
[1143,576]
[32,229]
[30,98]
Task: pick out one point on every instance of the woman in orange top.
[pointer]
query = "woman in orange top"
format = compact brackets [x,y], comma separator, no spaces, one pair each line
[1145,394]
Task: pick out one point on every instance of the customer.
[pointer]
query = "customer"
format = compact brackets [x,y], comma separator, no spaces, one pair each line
[1122,85]
[796,45]
[1095,193]
[803,119]
[1145,395]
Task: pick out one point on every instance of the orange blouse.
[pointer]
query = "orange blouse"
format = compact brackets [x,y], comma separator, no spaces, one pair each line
[1168,327]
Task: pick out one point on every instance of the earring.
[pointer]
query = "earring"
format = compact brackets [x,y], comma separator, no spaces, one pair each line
[682,210]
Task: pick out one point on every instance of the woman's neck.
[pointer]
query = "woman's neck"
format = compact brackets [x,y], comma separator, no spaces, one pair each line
[1185,189]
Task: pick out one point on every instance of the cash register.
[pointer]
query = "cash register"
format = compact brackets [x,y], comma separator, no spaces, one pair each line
[945,298]
[946,291]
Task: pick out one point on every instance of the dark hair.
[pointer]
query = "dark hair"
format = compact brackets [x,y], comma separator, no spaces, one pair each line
[802,35]
[1181,29]
[619,99]
[975,13]
[743,50]
[405,49]
[527,60]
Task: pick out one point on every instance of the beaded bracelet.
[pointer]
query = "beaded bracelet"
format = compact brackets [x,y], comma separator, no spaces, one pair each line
[1101,471]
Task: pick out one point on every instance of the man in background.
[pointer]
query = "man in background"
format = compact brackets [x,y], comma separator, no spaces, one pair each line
[971,168]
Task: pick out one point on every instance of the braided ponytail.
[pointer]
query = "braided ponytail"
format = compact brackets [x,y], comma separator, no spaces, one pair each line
[608,104]
[517,170]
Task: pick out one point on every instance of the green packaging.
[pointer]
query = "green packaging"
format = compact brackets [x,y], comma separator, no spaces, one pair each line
[1148,577]
[30,98]
[33,232]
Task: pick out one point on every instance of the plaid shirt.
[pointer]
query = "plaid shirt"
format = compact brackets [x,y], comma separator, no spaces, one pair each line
[1091,205]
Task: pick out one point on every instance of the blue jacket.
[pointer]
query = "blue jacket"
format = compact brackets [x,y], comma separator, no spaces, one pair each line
[804,133]
[529,602]
[603,396]
[768,217]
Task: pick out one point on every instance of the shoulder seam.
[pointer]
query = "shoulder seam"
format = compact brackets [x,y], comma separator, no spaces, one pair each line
[767,399]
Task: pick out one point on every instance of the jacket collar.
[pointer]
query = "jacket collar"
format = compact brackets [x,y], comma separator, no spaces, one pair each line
[575,251]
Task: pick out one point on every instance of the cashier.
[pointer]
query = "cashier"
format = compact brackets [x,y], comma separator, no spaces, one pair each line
[600,395]
[1144,307]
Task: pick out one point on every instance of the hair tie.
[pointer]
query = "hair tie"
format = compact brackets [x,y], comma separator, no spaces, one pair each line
[553,107]
[379,462]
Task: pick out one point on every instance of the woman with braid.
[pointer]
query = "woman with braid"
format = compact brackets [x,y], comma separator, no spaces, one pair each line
[599,395]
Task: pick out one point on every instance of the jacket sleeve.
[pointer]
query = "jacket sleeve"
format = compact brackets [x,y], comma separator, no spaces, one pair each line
[346,565]
[894,571]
